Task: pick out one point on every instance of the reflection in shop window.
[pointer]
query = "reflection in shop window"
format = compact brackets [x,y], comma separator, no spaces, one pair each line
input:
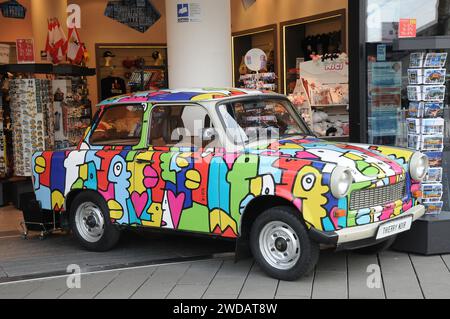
[383,17]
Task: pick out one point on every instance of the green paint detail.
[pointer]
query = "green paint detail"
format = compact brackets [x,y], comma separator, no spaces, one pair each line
[131,156]
[78,184]
[166,174]
[359,186]
[195,219]
[244,170]
[143,144]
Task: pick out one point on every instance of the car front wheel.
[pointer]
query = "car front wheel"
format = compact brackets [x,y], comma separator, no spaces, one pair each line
[91,223]
[281,245]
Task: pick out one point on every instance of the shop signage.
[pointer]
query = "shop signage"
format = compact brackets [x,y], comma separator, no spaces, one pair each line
[407,28]
[381,52]
[4,53]
[189,12]
[13,9]
[25,51]
[256,60]
[136,14]
[73,16]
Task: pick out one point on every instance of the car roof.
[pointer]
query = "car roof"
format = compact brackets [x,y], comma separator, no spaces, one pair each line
[182,95]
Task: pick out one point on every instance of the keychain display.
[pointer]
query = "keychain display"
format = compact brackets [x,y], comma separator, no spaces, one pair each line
[32,121]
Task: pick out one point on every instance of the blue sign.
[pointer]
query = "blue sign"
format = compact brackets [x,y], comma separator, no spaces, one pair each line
[13,9]
[183,10]
[381,52]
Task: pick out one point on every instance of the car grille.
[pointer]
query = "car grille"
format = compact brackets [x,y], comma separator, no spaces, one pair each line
[379,196]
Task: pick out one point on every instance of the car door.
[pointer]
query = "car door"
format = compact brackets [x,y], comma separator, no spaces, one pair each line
[175,181]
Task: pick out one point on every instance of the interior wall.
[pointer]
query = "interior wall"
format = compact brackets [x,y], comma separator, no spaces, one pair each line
[97,28]
[12,29]
[266,12]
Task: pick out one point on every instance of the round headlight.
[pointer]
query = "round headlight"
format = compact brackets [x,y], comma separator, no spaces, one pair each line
[341,181]
[418,167]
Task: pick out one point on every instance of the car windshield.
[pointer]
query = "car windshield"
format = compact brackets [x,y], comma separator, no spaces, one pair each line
[256,120]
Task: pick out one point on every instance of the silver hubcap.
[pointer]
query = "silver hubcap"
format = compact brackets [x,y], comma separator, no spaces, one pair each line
[279,245]
[90,222]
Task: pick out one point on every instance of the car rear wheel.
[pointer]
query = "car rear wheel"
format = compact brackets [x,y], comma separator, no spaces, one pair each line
[91,223]
[281,245]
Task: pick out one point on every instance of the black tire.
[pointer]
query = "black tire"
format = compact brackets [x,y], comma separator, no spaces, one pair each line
[377,248]
[309,250]
[111,233]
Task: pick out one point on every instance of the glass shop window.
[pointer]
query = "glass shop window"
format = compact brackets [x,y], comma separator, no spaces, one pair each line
[119,125]
[182,126]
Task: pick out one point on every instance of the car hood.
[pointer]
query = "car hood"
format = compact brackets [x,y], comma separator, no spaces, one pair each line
[366,165]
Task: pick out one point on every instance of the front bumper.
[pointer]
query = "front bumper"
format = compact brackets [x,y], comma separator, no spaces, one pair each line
[359,236]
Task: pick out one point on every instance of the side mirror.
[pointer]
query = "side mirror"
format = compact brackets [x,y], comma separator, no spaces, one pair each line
[208,134]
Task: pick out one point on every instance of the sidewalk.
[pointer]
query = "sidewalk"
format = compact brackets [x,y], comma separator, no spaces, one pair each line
[338,276]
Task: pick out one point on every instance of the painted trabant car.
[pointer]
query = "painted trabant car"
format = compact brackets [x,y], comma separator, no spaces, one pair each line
[229,163]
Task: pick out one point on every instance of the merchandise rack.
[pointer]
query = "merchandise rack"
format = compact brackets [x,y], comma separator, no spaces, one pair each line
[13,188]
[431,234]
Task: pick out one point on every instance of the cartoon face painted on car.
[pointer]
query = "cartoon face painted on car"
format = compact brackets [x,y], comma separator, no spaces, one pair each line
[209,189]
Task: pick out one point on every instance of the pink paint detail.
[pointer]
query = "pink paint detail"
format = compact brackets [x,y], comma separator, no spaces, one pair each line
[415,187]
[109,194]
[230,159]
[298,203]
[407,206]
[305,155]
[134,99]
[151,177]
[387,212]
[333,218]
[176,206]
[139,203]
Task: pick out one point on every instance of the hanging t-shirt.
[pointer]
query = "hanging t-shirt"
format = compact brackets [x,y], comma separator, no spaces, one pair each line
[113,86]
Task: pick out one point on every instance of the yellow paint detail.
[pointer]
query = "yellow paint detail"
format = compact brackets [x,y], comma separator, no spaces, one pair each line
[40,165]
[291,146]
[208,96]
[214,219]
[193,179]
[313,198]
[115,209]
[226,221]
[256,186]
[57,200]
[155,212]
[84,172]
[353,157]
[182,161]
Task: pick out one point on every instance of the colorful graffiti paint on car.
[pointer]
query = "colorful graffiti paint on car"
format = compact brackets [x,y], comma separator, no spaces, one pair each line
[208,190]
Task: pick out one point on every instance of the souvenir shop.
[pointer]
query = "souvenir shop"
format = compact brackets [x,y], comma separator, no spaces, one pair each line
[369,71]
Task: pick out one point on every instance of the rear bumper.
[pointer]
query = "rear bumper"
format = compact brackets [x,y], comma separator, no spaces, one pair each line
[360,236]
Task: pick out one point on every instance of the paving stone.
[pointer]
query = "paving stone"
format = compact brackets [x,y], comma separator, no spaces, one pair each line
[49,289]
[330,280]
[187,292]
[200,273]
[126,283]
[258,285]
[161,283]
[17,290]
[399,278]
[358,277]
[91,285]
[300,289]
[433,276]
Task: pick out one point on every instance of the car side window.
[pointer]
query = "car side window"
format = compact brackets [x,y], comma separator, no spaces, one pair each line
[119,125]
[180,126]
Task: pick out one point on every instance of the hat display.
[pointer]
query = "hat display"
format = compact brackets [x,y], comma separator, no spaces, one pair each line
[108,54]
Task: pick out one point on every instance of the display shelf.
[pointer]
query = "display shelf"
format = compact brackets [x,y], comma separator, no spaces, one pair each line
[422,43]
[428,236]
[73,70]
[47,68]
